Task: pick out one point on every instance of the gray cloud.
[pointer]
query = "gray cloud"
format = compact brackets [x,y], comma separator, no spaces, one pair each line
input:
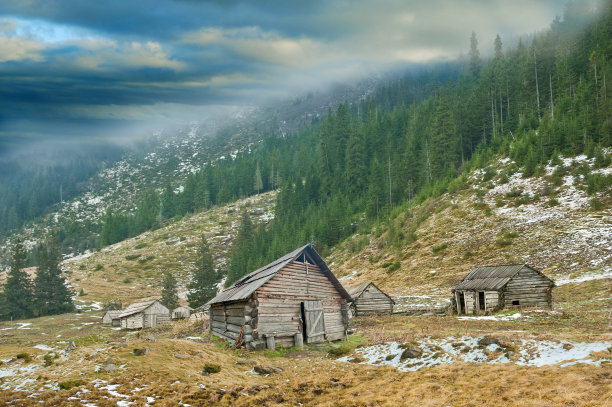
[73,62]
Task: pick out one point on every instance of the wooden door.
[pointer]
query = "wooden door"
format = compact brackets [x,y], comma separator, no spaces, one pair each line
[314,321]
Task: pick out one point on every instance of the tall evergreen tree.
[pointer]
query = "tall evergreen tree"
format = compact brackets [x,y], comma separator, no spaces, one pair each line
[52,296]
[202,287]
[242,253]
[169,291]
[258,183]
[474,55]
[18,287]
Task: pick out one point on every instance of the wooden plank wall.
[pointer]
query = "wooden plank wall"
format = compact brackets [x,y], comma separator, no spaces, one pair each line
[280,298]
[492,300]
[373,301]
[133,321]
[529,289]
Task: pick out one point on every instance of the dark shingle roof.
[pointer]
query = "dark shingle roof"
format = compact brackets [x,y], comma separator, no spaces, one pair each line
[246,286]
[490,277]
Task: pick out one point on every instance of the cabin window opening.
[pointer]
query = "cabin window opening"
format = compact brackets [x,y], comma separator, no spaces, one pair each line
[481,300]
[303,258]
[516,302]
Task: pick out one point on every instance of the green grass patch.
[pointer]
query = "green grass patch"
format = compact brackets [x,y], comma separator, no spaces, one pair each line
[132,256]
[140,245]
[90,340]
[69,384]
[439,247]
[211,368]
[98,267]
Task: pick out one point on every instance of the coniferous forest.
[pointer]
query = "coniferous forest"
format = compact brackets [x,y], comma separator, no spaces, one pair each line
[407,141]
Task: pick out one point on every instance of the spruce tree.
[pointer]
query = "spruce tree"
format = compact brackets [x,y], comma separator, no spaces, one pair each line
[52,296]
[474,55]
[202,287]
[258,184]
[169,291]
[242,250]
[18,287]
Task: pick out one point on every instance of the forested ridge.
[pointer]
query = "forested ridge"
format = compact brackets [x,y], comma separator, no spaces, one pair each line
[409,140]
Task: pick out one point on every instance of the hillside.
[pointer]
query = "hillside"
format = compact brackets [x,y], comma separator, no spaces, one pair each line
[495,217]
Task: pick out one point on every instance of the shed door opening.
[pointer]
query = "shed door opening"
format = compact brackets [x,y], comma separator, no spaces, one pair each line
[515,302]
[314,321]
[481,300]
[461,303]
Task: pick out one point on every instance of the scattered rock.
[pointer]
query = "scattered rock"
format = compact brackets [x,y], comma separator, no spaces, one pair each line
[411,352]
[180,356]
[140,351]
[211,368]
[267,370]
[488,340]
[111,367]
[70,347]
[567,346]
[246,362]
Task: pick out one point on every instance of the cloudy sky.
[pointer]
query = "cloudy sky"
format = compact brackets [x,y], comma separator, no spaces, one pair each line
[82,68]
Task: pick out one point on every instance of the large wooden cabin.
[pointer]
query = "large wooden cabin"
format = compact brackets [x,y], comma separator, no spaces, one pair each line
[491,288]
[292,300]
[370,300]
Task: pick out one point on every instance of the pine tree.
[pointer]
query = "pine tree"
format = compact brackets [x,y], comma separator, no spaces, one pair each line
[51,295]
[169,291]
[258,184]
[18,287]
[168,202]
[474,55]
[242,250]
[498,48]
[202,287]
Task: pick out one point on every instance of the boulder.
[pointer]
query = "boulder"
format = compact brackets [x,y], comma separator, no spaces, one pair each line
[411,352]
[140,351]
[267,370]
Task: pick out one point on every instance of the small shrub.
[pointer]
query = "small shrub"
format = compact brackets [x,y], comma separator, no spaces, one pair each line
[82,267]
[596,204]
[127,280]
[393,267]
[501,242]
[98,267]
[48,358]
[439,247]
[82,293]
[499,202]
[69,384]
[211,368]
[339,351]
[132,256]
[514,193]
[468,254]
[140,245]
[503,179]
[25,356]
[552,202]
[386,264]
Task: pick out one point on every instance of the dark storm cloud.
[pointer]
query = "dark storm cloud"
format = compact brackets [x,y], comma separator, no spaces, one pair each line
[67,64]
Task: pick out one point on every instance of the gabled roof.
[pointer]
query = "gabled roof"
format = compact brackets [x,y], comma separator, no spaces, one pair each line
[356,291]
[492,277]
[136,308]
[187,307]
[243,288]
[114,314]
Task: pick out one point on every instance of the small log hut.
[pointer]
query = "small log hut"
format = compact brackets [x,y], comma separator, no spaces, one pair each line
[112,317]
[144,315]
[294,299]
[370,300]
[182,312]
[491,288]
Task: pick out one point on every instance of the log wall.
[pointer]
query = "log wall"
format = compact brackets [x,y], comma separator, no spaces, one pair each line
[279,303]
[373,301]
[528,288]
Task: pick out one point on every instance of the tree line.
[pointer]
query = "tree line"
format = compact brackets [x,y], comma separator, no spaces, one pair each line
[47,294]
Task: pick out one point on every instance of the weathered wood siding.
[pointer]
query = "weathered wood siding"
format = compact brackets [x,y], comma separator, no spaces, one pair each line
[373,301]
[226,320]
[528,288]
[134,321]
[470,302]
[156,314]
[279,303]
[492,300]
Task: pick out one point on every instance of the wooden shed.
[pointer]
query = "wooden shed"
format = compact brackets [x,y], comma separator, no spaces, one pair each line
[292,300]
[144,315]
[112,317]
[182,312]
[370,300]
[490,288]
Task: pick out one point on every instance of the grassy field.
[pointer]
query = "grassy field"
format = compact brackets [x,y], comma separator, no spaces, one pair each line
[171,373]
